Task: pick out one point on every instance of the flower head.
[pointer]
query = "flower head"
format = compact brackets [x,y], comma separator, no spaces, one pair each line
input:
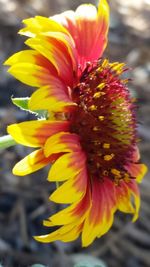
[90,135]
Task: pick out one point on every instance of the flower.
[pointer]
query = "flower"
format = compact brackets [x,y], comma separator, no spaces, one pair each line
[90,136]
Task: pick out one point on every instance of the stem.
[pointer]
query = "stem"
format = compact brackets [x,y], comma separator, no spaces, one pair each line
[6,141]
[57,184]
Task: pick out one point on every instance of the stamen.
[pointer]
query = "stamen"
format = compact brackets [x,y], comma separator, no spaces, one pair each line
[95,128]
[116,172]
[101,118]
[93,107]
[105,63]
[105,145]
[126,178]
[101,86]
[108,157]
[98,94]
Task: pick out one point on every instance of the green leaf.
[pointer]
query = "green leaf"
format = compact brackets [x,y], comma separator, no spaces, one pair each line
[41,113]
[22,103]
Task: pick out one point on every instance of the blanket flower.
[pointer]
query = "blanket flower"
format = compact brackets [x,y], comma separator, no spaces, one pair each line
[90,136]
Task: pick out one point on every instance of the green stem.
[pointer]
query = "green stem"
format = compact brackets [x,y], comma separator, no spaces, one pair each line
[57,185]
[6,141]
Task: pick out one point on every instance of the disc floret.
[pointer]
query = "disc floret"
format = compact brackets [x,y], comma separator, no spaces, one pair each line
[105,119]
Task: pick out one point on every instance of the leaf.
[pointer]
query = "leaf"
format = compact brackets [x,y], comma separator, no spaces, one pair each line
[22,103]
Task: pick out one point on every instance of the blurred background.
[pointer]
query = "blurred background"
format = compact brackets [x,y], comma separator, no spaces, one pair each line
[24,200]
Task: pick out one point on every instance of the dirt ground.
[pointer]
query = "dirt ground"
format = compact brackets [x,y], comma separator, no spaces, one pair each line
[24,200]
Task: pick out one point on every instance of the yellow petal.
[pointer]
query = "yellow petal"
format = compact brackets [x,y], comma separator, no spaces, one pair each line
[67,166]
[48,223]
[124,199]
[65,233]
[72,190]
[71,232]
[103,12]
[31,63]
[31,163]
[22,72]
[52,98]
[137,171]
[22,56]
[64,216]
[142,171]
[134,193]
[100,216]
[48,238]
[35,133]
[56,53]
[88,28]
[68,42]
[62,142]
[41,24]
[73,213]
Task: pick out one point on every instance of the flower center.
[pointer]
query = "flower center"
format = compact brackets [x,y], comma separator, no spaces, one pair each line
[105,119]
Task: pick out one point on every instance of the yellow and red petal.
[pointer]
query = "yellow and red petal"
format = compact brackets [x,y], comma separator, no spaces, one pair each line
[73,213]
[57,53]
[85,25]
[68,43]
[53,32]
[136,154]
[67,166]
[72,190]
[48,238]
[22,72]
[123,198]
[62,142]
[30,63]
[35,133]
[39,24]
[100,216]
[135,193]
[66,233]
[33,57]
[137,171]
[33,162]
[53,97]
[128,198]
